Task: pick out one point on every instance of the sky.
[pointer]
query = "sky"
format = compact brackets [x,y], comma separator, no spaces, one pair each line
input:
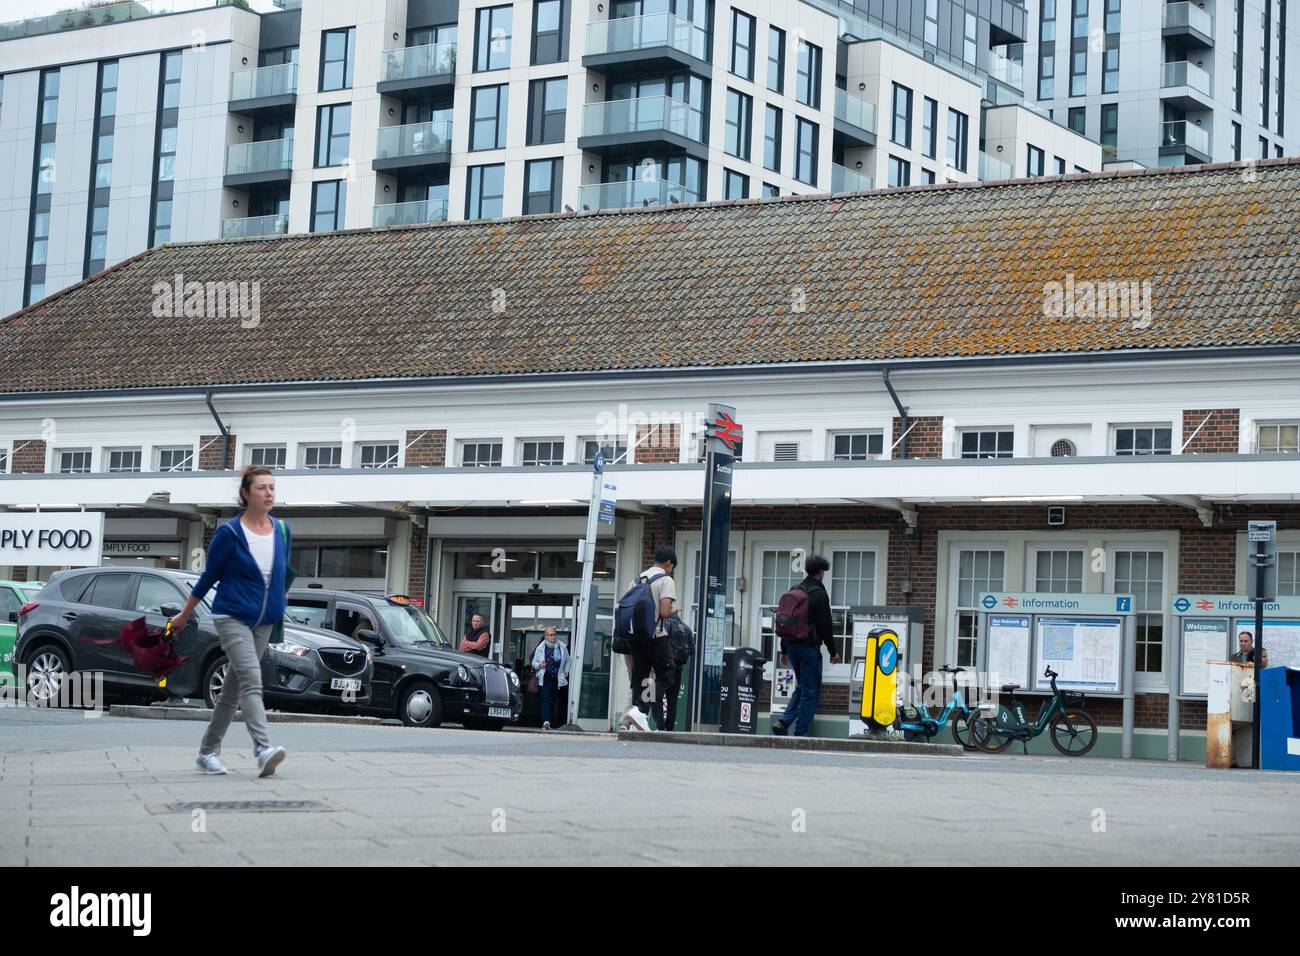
[22,9]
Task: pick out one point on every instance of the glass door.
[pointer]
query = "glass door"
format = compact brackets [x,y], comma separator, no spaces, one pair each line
[467,605]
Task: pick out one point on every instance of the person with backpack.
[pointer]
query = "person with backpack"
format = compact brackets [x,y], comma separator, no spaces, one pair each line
[640,617]
[249,559]
[803,622]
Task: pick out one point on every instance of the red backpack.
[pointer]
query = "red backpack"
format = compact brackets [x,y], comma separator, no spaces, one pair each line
[792,618]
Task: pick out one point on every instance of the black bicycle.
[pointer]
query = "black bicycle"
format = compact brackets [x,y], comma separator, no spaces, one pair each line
[1073,731]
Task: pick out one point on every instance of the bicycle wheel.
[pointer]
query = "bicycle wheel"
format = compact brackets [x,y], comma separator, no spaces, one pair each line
[961,729]
[986,733]
[1073,732]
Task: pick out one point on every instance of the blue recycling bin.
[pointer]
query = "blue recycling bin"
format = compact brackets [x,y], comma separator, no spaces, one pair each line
[1279,718]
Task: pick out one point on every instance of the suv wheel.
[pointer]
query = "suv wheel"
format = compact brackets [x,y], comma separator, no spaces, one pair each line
[420,705]
[214,679]
[47,667]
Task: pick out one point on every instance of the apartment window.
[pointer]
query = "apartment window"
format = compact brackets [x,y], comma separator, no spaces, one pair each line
[932,22]
[40,245]
[333,128]
[978,572]
[969,34]
[958,125]
[487,187]
[808,75]
[480,454]
[1079,49]
[550,31]
[102,171]
[901,131]
[1109,130]
[74,462]
[1058,572]
[45,165]
[1078,120]
[1143,440]
[175,459]
[1034,159]
[97,240]
[1047,50]
[613,451]
[930,127]
[1236,142]
[268,456]
[322,456]
[543,179]
[739,124]
[772,139]
[1079,169]
[49,97]
[377,455]
[1058,165]
[1142,574]
[535,453]
[987,444]
[1238,51]
[775,60]
[169,100]
[771,190]
[547,103]
[329,202]
[1079,29]
[1110,58]
[805,159]
[852,584]
[927,176]
[1279,439]
[900,172]
[488,120]
[492,39]
[857,446]
[735,185]
[742,44]
[123,460]
[1263,147]
[338,50]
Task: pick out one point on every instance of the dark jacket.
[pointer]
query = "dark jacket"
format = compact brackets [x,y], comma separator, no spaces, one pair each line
[821,627]
[243,593]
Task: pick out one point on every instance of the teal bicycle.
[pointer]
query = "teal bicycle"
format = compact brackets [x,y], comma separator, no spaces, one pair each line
[918,724]
[1073,731]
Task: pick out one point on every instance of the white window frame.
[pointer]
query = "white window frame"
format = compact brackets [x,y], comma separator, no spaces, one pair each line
[463,443]
[106,460]
[1145,682]
[852,433]
[1034,548]
[359,450]
[251,448]
[58,460]
[952,575]
[551,440]
[1117,427]
[981,430]
[159,451]
[307,446]
[620,446]
[1280,423]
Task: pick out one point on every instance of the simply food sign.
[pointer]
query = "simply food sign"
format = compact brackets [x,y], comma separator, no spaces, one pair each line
[52,539]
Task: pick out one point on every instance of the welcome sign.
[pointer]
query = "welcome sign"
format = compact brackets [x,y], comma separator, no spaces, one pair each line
[72,539]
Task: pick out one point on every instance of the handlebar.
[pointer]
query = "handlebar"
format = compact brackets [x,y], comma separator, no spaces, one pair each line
[952,670]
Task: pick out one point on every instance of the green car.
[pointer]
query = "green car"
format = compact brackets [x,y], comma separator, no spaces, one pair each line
[13,595]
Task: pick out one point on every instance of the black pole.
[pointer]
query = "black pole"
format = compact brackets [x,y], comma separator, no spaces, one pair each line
[1260,550]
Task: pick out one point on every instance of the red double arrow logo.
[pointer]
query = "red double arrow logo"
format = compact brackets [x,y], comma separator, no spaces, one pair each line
[728,429]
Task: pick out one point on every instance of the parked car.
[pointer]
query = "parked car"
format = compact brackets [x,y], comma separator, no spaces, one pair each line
[419,676]
[310,670]
[13,595]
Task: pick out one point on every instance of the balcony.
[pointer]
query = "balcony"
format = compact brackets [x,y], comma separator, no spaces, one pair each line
[266,88]
[268,161]
[1187,86]
[659,42]
[102,15]
[637,192]
[1189,22]
[845,180]
[992,168]
[418,68]
[621,127]
[412,146]
[254,227]
[1182,138]
[411,213]
[855,118]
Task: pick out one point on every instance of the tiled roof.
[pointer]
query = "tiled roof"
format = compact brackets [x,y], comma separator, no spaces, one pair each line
[928,272]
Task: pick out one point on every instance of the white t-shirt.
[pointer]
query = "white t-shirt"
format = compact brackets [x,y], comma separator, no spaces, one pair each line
[263,548]
[661,586]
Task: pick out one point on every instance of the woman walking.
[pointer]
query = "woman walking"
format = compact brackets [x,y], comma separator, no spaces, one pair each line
[249,560]
[551,667]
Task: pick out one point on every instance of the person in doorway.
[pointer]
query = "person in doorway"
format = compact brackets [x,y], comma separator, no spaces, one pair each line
[249,559]
[805,656]
[477,640]
[651,661]
[1245,648]
[551,666]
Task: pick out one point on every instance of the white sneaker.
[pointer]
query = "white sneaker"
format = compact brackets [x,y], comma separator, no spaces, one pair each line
[636,720]
[546,725]
[268,758]
[209,763]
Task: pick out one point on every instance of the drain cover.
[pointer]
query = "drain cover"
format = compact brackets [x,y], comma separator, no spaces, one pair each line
[244,806]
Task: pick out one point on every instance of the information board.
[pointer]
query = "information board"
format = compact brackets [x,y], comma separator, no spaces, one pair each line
[1203,640]
[1281,639]
[1008,661]
[1086,653]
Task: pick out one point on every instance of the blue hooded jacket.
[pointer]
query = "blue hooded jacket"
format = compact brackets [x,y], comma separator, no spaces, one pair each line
[243,593]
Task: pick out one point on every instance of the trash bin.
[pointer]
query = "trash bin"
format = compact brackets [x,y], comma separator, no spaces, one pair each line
[742,669]
[1279,718]
[1229,714]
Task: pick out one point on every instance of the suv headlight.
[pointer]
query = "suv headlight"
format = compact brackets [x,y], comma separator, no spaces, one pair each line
[289,647]
[462,675]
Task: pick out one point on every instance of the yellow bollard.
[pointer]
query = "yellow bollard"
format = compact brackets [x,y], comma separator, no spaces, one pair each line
[880,685]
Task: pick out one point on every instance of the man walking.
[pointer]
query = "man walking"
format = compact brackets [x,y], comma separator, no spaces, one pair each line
[653,655]
[805,656]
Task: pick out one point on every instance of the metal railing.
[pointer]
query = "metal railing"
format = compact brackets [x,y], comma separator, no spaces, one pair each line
[643,114]
[278,80]
[1183,73]
[992,168]
[419,62]
[855,110]
[627,34]
[254,226]
[1189,15]
[635,192]
[266,156]
[845,180]
[414,139]
[411,213]
[101,16]
[1183,133]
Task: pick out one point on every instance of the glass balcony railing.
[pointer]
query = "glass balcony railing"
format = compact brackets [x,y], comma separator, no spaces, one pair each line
[636,192]
[280,80]
[855,110]
[628,34]
[643,115]
[1189,135]
[1189,15]
[419,62]
[411,213]
[845,180]
[96,16]
[1008,71]
[1187,74]
[254,226]
[992,168]
[267,156]
[414,139]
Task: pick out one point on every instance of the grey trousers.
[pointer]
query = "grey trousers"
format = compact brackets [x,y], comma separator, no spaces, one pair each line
[244,648]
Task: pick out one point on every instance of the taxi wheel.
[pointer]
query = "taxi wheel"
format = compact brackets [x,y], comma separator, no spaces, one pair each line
[420,705]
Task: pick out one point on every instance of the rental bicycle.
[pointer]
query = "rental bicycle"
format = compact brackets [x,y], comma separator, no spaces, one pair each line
[957,713]
[1073,731]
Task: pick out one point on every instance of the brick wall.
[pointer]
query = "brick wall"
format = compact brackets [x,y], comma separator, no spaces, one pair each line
[426,448]
[28,457]
[210,452]
[1219,435]
[664,447]
[419,559]
[925,440]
